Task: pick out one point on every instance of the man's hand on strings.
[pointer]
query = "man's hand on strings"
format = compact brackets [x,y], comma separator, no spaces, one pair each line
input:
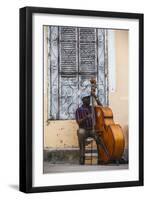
[89,116]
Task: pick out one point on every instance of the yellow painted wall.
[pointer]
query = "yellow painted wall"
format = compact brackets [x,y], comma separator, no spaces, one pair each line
[118,100]
[62,133]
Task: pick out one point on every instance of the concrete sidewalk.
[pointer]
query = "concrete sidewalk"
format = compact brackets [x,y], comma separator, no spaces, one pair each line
[60,168]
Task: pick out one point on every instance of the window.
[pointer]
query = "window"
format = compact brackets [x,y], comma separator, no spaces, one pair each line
[75,54]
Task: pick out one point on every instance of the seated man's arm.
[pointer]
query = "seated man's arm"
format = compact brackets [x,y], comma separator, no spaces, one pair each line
[80,119]
[98,101]
[96,98]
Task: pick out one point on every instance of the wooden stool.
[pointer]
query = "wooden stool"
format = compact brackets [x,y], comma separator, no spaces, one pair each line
[89,156]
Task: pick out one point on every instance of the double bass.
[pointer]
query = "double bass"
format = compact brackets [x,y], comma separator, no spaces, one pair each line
[111,134]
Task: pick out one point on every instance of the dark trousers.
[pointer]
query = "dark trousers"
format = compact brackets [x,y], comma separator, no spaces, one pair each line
[83,134]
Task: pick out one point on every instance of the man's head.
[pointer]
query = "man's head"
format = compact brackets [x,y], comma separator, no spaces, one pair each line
[85,96]
[86,100]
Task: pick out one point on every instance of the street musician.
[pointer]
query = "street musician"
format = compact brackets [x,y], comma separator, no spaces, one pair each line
[85,119]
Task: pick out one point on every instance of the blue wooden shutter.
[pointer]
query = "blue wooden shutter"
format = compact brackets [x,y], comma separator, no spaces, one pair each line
[75,55]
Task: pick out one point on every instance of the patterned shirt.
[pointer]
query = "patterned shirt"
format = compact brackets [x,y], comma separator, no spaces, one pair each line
[81,113]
